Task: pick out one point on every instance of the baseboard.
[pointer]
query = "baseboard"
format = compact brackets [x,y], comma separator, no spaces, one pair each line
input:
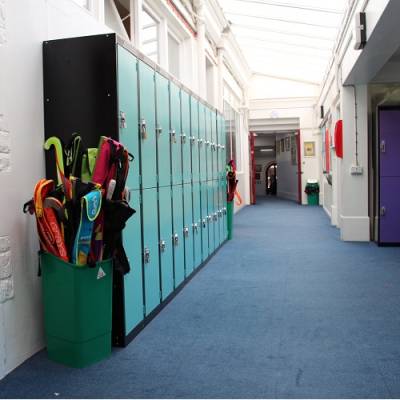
[354,229]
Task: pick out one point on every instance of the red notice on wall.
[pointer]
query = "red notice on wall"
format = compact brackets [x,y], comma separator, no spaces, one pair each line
[339,138]
[327,152]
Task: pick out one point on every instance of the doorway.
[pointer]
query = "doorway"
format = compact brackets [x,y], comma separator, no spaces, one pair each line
[271,179]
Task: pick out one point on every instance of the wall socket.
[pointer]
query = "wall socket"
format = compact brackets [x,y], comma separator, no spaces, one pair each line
[356,170]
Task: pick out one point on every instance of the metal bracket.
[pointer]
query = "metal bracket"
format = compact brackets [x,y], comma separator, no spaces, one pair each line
[143,129]
[146,255]
[122,118]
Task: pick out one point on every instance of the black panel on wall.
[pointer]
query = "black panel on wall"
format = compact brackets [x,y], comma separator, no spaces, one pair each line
[80,90]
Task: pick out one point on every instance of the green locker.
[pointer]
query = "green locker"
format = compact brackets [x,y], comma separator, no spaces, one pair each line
[151,269]
[185,138]
[165,245]
[202,143]
[216,213]
[177,236]
[197,224]
[222,202]
[133,280]
[162,129]
[147,125]
[187,228]
[128,111]
[220,135]
[175,137]
[214,141]
[211,219]
[194,138]
[204,220]
[224,211]
[208,143]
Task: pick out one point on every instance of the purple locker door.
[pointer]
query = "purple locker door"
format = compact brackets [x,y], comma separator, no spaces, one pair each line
[389,136]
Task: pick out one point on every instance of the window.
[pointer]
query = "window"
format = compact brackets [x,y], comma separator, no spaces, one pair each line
[173,56]
[232,125]
[210,81]
[123,8]
[150,36]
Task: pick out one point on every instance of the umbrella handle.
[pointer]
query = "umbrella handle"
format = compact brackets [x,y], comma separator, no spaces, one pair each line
[56,143]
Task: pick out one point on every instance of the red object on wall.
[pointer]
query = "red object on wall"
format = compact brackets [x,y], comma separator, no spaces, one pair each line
[252,169]
[339,138]
[327,152]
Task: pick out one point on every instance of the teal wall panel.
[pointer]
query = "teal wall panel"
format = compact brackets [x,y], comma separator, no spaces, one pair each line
[197,224]
[165,241]
[133,281]
[147,125]
[163,124]
[128,112]
[175,129]
[177,240]
[194,140]
[150,249]
[185,138]
[188,227]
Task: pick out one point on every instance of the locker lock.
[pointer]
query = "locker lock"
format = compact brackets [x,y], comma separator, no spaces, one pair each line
[224,210]
[183,138]
[196,227]
[383,211]
[143,129]
[175,239]
[220,213]
[158,130]
[186,231]
[383,146]
[146,255]
[173,136]
[207,142]
[215,216]
[209,218]
[204,222]
[200,141]
[122,119]
[192,139]
[163,245]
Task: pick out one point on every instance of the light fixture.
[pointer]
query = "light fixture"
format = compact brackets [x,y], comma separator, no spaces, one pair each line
[266,149]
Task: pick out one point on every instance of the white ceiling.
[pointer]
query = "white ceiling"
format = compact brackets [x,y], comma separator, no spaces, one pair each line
[286,38]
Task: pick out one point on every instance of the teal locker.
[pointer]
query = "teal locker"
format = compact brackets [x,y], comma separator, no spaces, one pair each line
[208,143]
[147,125]
[202,143]
[162,129]
[222,202]
[128,111]
[225,226]
[150,250]
[165,244]
[194,139]
[133,280]
[211,219]
[185,138]
[214,141]
[204,220]
[188,228]
[175,129]
[197,224]
[216,213]
[221,161]
[177,237]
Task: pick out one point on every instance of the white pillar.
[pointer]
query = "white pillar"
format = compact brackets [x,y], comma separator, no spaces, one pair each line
[136,7]
[163,44]
[201,50]
[220,80]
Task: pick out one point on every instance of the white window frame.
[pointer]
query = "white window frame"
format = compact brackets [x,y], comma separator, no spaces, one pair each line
[156,18]
[180,52]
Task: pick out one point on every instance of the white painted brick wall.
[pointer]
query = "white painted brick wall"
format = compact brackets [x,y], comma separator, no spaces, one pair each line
[3,36]
[6,279]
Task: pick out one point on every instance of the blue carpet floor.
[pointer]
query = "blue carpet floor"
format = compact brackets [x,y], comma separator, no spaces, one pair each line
[283,310]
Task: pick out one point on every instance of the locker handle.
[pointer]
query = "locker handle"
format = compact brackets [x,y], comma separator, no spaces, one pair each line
[200,141]
[383,146]
[146,255]
[143,129]
[183,138]
[163,245]
[383,211]
[159,130]
[208,218]
[122,117]
[224,210]
[204,222]
[193,139]
[219,213]
[195,227]
[175,239]
[186,231]
[215,216]
[173,135]
[207,142]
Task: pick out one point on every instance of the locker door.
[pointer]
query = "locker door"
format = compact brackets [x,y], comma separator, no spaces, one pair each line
[221,210]
[147,125]
[202,143]
[177,238]
[165,244]
[225,232]
[221,161]
[185,138]
[211,221]
[204,220]
[194,125]
[128,112]
[163,150]
[175,129]
[214,142]
[133,282]
[197,224]
[150,250]
[188,228]
[216,210]
[208,144]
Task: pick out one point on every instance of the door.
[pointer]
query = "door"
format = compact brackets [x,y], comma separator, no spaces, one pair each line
[133,280]
[177,237]
[211,220]
[202,143]
[204,220]
[165,244]
[128,112]
[299,172]
[197,224]
[188,228]
[185,138]
[252,169]
[208,143]
[389,174]
[162,129]
[175,129]
[150,250]
[147,126]
[194,140]
[214,142]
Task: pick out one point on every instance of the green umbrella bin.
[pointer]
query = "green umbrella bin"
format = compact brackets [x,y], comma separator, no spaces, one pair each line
[77,310]
[312,191]
[230,207]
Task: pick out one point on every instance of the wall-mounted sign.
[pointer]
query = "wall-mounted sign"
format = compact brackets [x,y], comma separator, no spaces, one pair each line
[309,149]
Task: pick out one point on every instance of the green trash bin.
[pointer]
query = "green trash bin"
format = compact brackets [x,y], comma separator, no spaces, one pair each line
[229,210]
[77,311]
[312,191]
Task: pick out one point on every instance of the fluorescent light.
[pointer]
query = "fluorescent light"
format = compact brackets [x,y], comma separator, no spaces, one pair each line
[266,149]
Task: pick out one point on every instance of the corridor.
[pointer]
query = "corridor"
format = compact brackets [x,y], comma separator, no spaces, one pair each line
[285,309]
